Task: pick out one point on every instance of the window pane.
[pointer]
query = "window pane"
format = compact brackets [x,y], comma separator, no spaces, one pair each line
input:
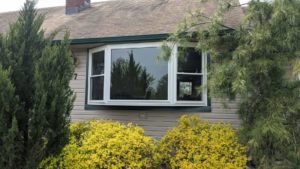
[189,87]
[98,63]
[190,62]
[138,75]
[97,88]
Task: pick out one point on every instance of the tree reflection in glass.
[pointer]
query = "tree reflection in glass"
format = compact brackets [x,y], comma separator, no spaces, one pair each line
[137,75]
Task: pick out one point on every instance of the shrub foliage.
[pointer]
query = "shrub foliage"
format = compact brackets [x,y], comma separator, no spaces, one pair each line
[192,144]
[104,144]
[198,144]
[35,96]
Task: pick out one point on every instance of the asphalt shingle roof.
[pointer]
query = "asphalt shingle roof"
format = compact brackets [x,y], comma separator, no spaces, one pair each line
[123,18]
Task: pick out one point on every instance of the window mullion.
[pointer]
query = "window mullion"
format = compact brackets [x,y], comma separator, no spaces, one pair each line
[89,76]
[204,78]
[174,81]
[107,71]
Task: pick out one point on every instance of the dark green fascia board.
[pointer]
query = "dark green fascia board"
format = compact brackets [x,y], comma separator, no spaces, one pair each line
[127,39]
[118,39]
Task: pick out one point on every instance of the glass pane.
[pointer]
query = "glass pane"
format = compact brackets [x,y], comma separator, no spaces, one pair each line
[190,61]
[98,63]
[189,87]
[97,88]
[138,75]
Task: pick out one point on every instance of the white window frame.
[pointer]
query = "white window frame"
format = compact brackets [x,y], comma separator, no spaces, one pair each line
[172,79]
[204,80]
[95,50]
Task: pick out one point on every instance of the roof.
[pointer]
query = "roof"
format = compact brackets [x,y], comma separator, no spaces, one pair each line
[123,18]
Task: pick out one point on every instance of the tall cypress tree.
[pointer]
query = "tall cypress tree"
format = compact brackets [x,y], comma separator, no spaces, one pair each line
[39,74]
[260,62]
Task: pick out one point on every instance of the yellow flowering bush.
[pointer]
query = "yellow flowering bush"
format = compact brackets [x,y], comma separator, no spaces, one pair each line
[195,144]
[104,144]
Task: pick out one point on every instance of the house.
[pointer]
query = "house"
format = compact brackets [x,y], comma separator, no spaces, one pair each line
[118,75]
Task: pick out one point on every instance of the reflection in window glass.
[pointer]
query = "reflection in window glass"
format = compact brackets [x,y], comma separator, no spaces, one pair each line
[97,88]
[189,87]
[136,74]
[190,62]
[98,63]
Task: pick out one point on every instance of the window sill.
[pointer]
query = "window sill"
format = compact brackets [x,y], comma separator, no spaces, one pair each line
[151,108]
[149,103]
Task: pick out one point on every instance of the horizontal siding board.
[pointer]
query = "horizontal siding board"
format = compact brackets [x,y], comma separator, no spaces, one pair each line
[155,134]
[80,73]
[80,94]
[80,99]
[138,116]
[77,103]
[80,69]
[150,114]
[78,78]
[227,111]
[81,90]
[76,86]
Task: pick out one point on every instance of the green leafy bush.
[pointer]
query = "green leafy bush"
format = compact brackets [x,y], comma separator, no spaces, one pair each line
[104,144]
[198,144]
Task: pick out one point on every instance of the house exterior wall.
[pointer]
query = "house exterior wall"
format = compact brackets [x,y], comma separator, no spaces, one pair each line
[155,123]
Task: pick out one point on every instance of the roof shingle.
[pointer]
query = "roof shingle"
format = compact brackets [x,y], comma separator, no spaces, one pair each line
[123,18]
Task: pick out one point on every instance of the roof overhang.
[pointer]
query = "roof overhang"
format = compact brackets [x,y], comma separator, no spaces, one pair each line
[116,40]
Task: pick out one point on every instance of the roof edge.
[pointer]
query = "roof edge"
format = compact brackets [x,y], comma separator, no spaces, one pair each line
[127,39]
[118,39]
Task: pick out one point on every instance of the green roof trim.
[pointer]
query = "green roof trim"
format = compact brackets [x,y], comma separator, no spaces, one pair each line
[126,39]
[118,39]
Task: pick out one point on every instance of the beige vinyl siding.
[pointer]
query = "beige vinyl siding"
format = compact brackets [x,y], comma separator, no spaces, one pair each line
[155,123]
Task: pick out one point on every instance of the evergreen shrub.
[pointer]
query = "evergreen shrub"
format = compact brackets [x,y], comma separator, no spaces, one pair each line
[198,144]
[35,94]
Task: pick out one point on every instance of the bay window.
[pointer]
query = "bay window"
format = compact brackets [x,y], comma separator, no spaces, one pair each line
[133,75]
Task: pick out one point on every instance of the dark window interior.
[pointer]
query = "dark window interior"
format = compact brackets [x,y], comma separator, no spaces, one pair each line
[97,88]
[98,63]
[189,77]
[189,88]
[190,61]
[97,78]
